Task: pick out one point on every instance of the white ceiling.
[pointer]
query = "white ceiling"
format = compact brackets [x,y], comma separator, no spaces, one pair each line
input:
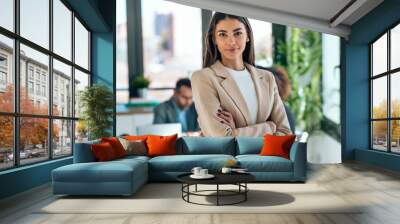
[315,15]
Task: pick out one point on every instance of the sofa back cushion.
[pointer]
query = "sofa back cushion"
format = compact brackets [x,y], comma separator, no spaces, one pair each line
[206,145]
[249,145]
[83,152]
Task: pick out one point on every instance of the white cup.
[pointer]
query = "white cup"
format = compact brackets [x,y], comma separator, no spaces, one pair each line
[226,170]
[203,172]
[196,170]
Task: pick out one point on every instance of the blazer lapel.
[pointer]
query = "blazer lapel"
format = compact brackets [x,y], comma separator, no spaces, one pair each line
[232,89]
[262,93]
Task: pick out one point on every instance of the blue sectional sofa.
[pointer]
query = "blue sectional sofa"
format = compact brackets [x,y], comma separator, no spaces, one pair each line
[125,176]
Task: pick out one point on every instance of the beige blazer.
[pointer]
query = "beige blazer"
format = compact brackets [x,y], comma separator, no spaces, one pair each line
[213,87]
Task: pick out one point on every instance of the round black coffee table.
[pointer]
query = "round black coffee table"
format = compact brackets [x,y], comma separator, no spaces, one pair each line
[238,179]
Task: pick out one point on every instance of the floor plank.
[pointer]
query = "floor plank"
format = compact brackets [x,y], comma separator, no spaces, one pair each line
[376,189]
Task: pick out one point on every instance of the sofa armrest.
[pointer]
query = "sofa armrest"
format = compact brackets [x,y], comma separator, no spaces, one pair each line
[83,152]
[298,155]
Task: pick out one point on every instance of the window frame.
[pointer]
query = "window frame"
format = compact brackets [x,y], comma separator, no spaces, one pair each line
[16,115]
[388,74]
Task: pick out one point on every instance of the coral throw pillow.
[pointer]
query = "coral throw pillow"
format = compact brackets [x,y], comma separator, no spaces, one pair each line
[277,145]
[116,145]
[161,145]
[103,152]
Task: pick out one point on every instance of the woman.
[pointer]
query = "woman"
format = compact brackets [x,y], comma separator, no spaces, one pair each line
[232,97]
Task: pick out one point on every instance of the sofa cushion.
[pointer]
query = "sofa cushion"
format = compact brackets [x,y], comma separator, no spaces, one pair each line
[249,145]
[206,145]
[257,163]
[185,163]
[111,171]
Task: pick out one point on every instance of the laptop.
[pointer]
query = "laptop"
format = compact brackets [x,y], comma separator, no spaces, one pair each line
[160,129]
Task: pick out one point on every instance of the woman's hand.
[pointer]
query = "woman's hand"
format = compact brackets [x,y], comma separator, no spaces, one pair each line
[226,118]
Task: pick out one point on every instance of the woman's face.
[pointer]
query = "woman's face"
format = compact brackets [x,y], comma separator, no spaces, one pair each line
[231,38]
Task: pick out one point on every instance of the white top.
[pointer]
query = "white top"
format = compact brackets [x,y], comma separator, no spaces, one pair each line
[246,85]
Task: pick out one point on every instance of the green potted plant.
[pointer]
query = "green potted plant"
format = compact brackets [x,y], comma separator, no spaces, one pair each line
[141,83]
[96,102]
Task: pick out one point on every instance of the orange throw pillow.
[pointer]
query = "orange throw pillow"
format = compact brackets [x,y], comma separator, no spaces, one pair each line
[103,152]
[116,145]
[161,145]
[277,145]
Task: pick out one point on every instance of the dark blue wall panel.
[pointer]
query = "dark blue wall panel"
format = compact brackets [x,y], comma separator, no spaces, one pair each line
[24,178]
[355,143]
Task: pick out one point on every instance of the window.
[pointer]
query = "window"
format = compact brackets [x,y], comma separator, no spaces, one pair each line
[30,72]
[33,149]
[62,29]
[30,87]
[3,78]
[6,142]
[34,21]
[44,91]
[37,75]
[3,72]
[6,73]
[171,48]
[37,89]
[3,61]
[122,82]
[81,81]
[49,135]
[62,74]
[7,14]
[81,45]
[385,97]
[62,140]
[262,34]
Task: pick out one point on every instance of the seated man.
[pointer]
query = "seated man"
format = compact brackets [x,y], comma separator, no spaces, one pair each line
[179,109]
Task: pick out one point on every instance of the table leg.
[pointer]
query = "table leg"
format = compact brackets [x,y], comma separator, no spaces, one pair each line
[196,188]
[217,194]
[245,193]
[188,189]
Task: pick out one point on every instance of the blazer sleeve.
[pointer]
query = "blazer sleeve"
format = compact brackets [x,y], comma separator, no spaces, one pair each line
[160,115]
[256,130]
[278,114]
[207,103]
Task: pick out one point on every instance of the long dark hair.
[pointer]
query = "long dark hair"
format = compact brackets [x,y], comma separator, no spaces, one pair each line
[212,54]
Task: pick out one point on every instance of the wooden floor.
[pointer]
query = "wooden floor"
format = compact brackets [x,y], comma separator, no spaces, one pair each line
[377,188]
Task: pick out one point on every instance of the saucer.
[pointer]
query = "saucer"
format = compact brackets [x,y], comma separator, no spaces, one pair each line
[208,176]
